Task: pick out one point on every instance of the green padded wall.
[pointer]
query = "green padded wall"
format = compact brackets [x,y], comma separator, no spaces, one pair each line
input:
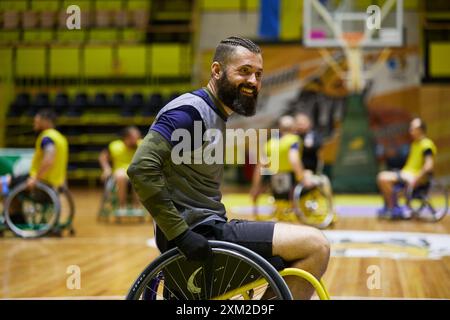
[169,60]
[31,62]
[64,62]
[98,61]
[42,5]
[37,36]
[5,62]
[439,53]
[132,60]
[19,5]
[356,167]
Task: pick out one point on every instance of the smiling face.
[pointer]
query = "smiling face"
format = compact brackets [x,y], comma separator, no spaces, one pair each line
[239,82]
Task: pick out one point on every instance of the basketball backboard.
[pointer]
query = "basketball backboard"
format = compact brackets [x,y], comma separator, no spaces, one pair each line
[366,23]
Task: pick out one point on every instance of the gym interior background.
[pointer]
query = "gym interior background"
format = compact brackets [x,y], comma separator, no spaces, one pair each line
[130,57]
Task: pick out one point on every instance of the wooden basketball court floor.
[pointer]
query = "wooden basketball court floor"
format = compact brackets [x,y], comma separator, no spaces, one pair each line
[109,256]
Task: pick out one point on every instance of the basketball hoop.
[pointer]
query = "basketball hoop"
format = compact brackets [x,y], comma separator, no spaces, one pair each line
[353,39]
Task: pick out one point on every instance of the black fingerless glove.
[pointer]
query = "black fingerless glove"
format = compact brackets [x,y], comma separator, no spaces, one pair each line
[194,246]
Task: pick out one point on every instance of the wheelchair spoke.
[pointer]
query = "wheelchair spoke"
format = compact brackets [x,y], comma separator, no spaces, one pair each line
[185,280]
[223,274]
[181,290]
[232,277]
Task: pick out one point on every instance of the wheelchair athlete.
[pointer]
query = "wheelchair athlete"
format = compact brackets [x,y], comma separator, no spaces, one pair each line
[416,172]
[287,173]
[120,153]
[184,198]
[49,163]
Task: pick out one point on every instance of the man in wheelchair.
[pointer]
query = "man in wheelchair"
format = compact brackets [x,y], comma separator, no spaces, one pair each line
[184,198]
[415,174]
[288,170]
[49,163]
[297,193]
[114,162]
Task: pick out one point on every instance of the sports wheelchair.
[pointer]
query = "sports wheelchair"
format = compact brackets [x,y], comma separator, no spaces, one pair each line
[312,206]
[233,273]
[427,202]
[109,206]
[40,211]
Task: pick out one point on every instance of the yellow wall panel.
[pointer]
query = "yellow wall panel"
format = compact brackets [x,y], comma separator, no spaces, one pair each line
[64,62]
[439,54]
[31,62]
[98,61]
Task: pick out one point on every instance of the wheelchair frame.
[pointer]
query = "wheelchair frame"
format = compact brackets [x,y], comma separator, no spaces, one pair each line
[110,203]
[291,210]
[151,276]
[422,194]
[55,226]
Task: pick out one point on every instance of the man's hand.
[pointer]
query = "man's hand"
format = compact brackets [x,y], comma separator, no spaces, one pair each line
[413,183]
[31,182]
[194,246]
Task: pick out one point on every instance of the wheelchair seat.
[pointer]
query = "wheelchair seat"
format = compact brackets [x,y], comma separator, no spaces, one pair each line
[427,201]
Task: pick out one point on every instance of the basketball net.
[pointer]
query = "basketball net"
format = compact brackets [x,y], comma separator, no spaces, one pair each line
[351,43]
[355,60]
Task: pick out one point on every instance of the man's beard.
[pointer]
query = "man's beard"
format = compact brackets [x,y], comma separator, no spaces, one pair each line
[233,98]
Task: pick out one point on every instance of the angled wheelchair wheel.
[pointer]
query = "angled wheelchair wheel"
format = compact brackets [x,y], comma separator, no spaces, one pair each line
[429,203]
[67,211]
[109,201]
[234,273]
[313,207]
[32,213]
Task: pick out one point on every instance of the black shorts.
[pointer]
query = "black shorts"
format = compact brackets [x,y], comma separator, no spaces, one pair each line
[254,235]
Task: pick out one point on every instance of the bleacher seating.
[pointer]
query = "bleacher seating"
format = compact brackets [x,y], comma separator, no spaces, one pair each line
[118,70]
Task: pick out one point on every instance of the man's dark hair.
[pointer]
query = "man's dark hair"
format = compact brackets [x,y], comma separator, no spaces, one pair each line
[227,46]
[47,114]
[127,131]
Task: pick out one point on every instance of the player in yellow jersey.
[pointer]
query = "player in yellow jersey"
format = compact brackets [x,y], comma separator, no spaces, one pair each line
[288,170]
[49,163]
[119,154]
[418,168]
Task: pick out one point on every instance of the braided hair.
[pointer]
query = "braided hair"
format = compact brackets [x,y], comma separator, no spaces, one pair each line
[227,46]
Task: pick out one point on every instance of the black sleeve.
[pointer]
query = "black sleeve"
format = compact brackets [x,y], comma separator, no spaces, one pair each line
[427,152]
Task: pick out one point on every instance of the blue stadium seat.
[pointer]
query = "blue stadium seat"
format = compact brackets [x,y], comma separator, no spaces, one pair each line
[132,107]
[61,103]
[118,101]
[41,101]
[79,104]
[100,101]
[19,105]
[153,106]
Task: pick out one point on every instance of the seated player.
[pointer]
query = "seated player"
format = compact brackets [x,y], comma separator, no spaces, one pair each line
[312,142]
[49,163]
[288,170]
[184,198]
[119,153]
[419,166]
